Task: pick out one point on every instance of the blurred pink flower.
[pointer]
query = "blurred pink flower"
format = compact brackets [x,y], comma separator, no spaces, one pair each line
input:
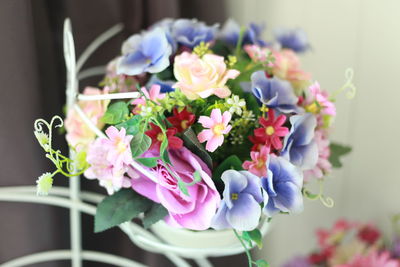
[258,163]
[323,106]
[372,259]
[194,211]
[257,53]
[287,66]
[109,159]
[201,77]
[323,164]
[218,126]
[79,135]
[119,82]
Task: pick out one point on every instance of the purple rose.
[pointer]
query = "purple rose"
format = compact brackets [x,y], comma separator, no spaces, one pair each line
[194,211]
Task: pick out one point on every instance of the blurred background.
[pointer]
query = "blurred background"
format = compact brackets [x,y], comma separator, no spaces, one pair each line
[362,34]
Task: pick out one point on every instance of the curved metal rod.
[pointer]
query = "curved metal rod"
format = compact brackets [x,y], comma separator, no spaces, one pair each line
[136,233]
[101,39]
[90,72]
[67,255]
[128,95]
[55,191]
[91,210]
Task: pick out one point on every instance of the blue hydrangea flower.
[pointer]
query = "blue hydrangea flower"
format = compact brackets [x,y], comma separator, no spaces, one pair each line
[282,187]
[240,207]
[147,52]
[190,32]
[231,30]
[166,24]
[295,39]
[274,92]
[299,146]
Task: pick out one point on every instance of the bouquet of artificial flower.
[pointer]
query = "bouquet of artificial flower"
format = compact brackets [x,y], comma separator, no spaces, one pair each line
[351,244]
[225,129]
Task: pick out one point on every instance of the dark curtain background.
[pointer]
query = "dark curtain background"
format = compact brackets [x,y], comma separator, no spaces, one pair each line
[32,76]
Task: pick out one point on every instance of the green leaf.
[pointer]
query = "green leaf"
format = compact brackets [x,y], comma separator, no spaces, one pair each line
[337,151]
[192,143]
[132,126]
[166,75]
[252,104]
[255,236]
[148,162]
[164,151]
[120,207]
[140,143]
[183,187]
[262,263]
[116,113]
[231,162]
[156,213]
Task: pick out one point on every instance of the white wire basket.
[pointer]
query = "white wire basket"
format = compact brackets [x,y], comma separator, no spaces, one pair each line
[176,244]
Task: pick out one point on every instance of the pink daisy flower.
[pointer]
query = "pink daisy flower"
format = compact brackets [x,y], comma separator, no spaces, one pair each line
[258,163]
[218,126]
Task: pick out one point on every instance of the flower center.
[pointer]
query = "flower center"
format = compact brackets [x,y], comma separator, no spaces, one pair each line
[160,137]
[218,129]
[121,147]
[260,163]
[270,130]
[234,196]
[313,108]
[148,61]
[184,124]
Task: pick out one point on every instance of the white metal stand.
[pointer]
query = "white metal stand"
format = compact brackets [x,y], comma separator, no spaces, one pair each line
[78,201]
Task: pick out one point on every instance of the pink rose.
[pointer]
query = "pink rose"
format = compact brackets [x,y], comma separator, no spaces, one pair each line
[79,135]
[201,77]
[194,211]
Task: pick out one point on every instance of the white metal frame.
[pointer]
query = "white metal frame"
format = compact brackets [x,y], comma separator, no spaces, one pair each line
[78,201]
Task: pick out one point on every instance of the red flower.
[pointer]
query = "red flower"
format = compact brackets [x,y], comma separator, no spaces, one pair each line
[181,120]
[258,143]
[272,130]
[157,137]
[321,257]
[369,234]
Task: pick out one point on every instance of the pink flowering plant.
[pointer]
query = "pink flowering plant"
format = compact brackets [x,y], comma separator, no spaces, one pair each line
[353,244]
[226,130]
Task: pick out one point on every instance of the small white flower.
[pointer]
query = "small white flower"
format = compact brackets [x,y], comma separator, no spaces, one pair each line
[145,111]
[236,104]
[44,184]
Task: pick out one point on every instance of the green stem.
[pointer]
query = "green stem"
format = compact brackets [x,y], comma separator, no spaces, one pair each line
[245,248]
[240,40]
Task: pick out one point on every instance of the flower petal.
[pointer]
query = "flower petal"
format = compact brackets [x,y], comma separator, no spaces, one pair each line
[245,213]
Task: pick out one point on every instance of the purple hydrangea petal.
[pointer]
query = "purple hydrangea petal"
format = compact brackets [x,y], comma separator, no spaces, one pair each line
[133,64]
[274,92]
[283,187]
[148,52]
[289,198]
[253,186]
[235,183]
[190,32]
[231,30]
[295,39]
[299,146]
[219,220]
[245,214]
